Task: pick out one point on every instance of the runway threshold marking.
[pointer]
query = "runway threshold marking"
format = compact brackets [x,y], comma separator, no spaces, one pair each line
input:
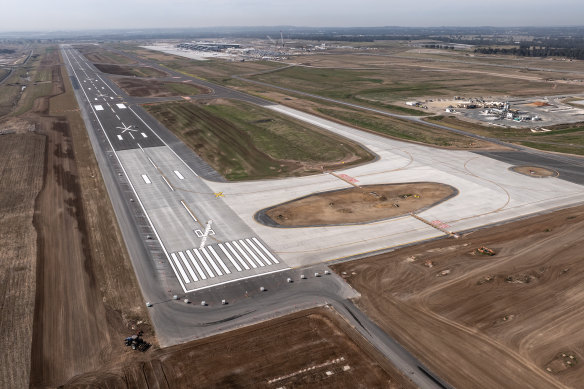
[197,266]
[180,268]
[250,243]
[188,265]
[245,265]
[244,245]
[235,264]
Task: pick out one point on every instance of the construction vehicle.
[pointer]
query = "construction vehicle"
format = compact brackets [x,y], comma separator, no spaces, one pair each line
[136,342]
[485,251]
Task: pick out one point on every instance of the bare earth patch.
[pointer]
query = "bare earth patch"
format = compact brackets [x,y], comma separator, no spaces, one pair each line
[356,205]
[136,71]
[309,349]
[502,321]
[534,171]
[150,88]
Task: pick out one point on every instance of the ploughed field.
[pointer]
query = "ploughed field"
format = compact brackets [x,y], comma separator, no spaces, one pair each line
[508,320]
[314,348]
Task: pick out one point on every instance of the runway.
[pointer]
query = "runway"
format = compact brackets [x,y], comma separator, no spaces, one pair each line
[164,195]
[175,200]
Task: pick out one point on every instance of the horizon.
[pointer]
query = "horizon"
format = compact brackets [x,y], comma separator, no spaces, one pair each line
[72,16]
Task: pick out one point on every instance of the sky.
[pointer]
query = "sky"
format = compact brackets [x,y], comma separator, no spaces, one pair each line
[51,15]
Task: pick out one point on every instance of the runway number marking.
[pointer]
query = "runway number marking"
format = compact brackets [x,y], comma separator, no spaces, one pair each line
[200,233]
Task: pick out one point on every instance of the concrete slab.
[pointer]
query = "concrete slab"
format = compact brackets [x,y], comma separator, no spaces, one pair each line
[488,193]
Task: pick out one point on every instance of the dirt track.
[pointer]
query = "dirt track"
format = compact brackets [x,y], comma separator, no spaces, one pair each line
[481,321]
[359,205]
[314,348]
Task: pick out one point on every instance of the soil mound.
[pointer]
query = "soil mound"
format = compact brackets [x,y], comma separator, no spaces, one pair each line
[357,205]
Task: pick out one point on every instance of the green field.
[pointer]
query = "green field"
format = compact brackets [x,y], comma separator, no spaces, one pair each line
[243,141]
[398,128]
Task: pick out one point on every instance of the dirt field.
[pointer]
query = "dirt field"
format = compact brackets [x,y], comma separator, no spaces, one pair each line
[150,88]
[21,178]
[99,55]
[260,357]
[535,171]
[86,298]
[359,205]
[135,71]
[480,321]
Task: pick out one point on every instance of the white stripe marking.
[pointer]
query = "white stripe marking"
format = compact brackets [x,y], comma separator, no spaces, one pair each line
[225,269]
[180,176]
[98,107]
[188,210]
[121,106]
[237,256]
[167,183]
[180,268]
[229,257]
[247,258]
[215,267]
[146,179]
[252,253]
[266,250]
[250,243]
[120,137]
[204,263]
[188,265]
[144,135]
[194,261]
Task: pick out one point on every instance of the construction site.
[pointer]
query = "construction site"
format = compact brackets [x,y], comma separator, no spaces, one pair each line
[249,221]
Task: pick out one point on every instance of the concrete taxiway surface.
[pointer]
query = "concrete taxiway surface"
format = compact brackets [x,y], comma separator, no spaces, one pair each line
[489,193]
